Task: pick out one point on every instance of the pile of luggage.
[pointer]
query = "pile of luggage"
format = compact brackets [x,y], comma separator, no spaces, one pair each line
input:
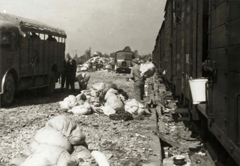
[104,98]
[60,143]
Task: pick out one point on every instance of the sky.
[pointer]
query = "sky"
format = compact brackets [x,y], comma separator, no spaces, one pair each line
[102,25]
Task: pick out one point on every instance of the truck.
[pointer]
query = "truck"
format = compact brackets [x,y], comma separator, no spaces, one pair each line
[31,56]
[123,61]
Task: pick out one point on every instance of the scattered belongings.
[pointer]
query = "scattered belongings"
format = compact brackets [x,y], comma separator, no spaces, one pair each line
[97,63]
[104,98]
[61,143]
[174,127]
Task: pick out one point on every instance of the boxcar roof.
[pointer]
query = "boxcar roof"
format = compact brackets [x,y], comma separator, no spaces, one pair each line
[24,25]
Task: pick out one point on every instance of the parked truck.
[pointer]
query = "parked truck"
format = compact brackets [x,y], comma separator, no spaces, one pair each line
[31,56]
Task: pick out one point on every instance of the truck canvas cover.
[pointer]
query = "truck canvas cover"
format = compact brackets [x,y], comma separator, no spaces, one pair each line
[25,25]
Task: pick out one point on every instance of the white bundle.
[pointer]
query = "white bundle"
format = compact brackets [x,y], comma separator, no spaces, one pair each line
[110,92]
[84,109]
[84,68]
[107,110]
[134,107]
[100,158]
[68,102]
[147,69]
[98,86]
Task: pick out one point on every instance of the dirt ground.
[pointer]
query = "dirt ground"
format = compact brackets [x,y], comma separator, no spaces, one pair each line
[123,142]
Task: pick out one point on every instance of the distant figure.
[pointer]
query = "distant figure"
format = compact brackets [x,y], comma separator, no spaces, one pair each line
[139,81]
[71,68]
[34,36]
[82,80]
[64,73]
[50,38]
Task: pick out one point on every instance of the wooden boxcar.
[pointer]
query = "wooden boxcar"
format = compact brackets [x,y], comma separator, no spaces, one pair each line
[199,31]
[224,101]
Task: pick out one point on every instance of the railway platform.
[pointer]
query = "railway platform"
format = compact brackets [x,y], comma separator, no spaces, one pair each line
[175,139]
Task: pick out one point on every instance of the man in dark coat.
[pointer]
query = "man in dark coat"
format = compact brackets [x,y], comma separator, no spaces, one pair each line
[73,69]
[139,81]
[71,73]
[64,74]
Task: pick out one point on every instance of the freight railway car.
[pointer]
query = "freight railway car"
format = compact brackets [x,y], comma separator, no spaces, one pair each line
[197,39]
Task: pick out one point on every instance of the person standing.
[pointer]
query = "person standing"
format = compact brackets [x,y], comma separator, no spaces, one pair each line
[64,74]
[139,81]
[71,68]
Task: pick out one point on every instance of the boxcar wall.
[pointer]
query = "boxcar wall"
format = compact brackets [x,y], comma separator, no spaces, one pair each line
[168,17]
[224,47]
[184,35]
[156,52]
[206,30]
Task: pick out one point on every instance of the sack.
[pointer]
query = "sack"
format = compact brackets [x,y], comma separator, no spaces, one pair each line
[68,128]
[68,102]
[52,137]
[98,86]
[108,110]
[84,156]
[131,106]
[134,107]
[114,102]
[110,92]
[107,86]
[100,158]
[17,161]
[84,109]
[46,155]
[147,69]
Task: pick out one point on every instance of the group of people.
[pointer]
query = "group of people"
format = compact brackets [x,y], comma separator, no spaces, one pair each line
[69,76]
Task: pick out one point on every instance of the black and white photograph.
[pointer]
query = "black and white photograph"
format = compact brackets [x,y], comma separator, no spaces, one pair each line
[120,83]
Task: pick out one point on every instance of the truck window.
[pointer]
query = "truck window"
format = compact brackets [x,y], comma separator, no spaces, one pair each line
[14,41]
[5,41]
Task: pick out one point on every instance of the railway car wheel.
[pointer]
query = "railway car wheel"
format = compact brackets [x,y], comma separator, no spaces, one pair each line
[51,84]
[9,90]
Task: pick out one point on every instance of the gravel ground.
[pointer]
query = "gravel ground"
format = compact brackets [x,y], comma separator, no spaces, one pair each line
[123,142]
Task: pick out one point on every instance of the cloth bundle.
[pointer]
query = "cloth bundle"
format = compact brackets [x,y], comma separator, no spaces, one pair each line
[147,69]
[53,144]
[134,107]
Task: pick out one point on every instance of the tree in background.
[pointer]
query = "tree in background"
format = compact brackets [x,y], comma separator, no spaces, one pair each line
[127,48]
[146,57]
[136,54]
[88,53]
[112,55]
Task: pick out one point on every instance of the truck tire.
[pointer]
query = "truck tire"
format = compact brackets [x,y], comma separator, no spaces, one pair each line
[9,90]
[51,84]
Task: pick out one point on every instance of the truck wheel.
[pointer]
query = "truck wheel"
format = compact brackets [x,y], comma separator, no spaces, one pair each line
[9,90]
[51,84]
